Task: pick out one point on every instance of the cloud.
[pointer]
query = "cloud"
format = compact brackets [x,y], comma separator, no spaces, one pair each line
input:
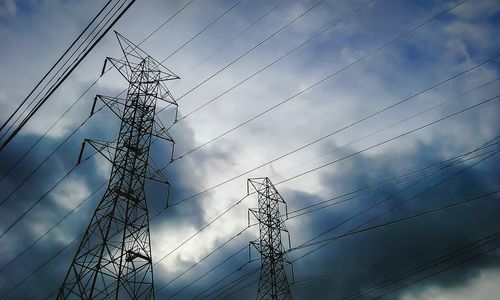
[8,8]
[428,233]
[437,51]
[482,286]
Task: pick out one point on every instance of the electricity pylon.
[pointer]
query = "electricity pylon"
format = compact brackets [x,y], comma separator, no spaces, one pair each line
[273,282]
[114,256]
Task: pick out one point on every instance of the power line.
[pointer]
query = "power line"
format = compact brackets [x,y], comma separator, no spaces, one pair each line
[40,267]
[42,163]
[358,190]
[392,125]
[327,78]
[252,225]
[196,35]
[421,179]
[390,261]
[393,208]
[248,51]
[53,66]
[391,139]
[443,270]
[73,132]
[241,288]
[394,221]
[166,21]
[51,228]
[235,37]
[63,65]
[86,90]
[379,143]
[307,244]
[427,266]
[80,125]
[343,18]
[51,295]
[64,77]
[235,282]
[313,142]
[359,121]
[151,34]
[439,183]
[370,220]
[39,200]
[465,246]
[401,135]
[36,169]
[221,280]
[204,258]
[203,228]
[204,274]
[347,126]
[203,30]
[427,175]
[239,233]
[18,161]
[39,166]
[293,249]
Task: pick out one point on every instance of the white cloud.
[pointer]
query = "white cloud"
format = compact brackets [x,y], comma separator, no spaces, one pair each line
[479,9]
[70,193]
[484,286]
[435,52]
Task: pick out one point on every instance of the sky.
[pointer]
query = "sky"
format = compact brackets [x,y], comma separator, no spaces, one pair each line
[272,90]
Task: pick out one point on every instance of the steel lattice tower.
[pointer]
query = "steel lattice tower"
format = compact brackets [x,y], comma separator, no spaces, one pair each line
[114,256]
[273,282]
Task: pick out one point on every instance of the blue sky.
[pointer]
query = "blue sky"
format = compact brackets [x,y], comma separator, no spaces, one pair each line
[34,34]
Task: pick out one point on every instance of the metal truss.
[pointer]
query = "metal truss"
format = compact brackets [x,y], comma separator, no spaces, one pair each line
[114,260]
[273,282]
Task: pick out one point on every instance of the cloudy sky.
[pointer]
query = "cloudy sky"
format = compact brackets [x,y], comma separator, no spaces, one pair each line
[291,104]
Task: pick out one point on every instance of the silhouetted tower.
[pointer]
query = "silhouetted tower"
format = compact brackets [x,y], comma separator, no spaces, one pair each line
[114,257]
[273,283]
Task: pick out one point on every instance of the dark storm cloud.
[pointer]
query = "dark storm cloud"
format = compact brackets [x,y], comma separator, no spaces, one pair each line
[458,225]
[51,209]
[33,225]
[189,213]
[444,47]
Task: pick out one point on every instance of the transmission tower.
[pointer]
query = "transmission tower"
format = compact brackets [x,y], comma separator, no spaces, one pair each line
[114,256]
[273,283]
